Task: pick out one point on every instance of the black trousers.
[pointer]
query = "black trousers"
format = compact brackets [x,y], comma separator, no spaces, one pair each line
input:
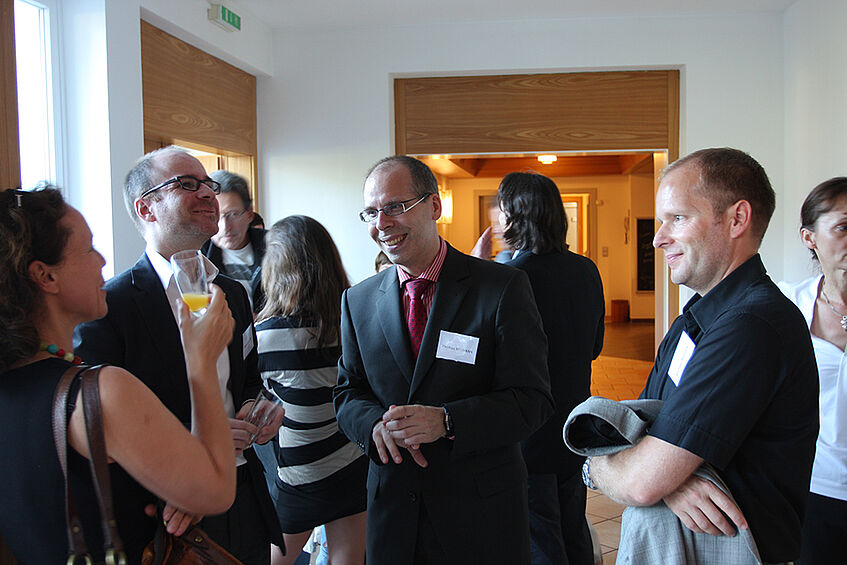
[241,530]
[558,528]
[824,531]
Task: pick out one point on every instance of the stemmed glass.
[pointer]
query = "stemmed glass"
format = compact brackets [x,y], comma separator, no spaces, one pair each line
[192,279]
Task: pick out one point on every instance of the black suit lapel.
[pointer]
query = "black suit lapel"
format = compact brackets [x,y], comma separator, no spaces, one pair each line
[449,294]
[393,322]
[156,315]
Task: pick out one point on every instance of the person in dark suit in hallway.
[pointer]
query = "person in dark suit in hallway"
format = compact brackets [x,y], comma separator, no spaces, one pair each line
[442,373]
[172,201]
[569,294]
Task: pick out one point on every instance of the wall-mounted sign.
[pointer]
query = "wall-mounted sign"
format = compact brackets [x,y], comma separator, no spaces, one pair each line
[224,17]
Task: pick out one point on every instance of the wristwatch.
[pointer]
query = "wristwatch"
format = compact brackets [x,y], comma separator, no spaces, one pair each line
[448,424]
[586,474]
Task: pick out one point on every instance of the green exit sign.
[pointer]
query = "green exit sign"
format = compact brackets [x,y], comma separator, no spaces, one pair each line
[224,17]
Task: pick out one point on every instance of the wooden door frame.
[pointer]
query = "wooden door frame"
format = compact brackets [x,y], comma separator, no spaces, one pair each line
[666,296]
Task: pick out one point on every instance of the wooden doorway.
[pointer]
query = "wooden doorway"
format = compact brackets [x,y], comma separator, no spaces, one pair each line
[198,101]
[616,111]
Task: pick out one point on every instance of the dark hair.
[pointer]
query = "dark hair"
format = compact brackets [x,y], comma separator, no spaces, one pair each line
[302,275]
[381,260]
[423,181]
[535,216]
[141,177]
[820,201]
[728,175]
[30,230]
[230,182]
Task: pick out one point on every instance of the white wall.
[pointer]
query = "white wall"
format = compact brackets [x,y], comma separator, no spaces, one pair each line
[816,113]
[103,132]
[326,115]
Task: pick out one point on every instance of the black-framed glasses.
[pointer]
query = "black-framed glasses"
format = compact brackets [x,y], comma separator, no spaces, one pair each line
[391,209]
[186,182]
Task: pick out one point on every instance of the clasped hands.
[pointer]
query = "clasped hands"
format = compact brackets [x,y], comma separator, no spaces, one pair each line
[407,427]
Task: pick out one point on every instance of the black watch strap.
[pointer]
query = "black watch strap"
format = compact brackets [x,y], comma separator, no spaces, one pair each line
[448,424]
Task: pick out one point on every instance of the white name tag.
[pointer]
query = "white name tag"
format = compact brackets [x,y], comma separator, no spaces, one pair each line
[247,342]
[684,351]
[457,347]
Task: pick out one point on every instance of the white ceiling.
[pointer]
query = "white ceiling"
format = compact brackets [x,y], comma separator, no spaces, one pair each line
[344,13]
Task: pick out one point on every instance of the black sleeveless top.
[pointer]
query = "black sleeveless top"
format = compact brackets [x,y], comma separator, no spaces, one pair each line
[32,499]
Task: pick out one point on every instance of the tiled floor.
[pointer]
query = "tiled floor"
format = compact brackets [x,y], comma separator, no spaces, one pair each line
[619,373]
[605,515]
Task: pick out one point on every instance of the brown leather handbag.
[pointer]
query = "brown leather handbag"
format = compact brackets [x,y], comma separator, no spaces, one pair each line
[194,547]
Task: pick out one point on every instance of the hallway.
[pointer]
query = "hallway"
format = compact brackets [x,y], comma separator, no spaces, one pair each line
[625,362]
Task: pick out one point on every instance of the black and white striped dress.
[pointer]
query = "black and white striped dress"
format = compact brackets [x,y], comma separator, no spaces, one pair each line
[320,474]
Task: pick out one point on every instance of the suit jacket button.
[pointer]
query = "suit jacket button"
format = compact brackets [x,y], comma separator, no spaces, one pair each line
[413,497]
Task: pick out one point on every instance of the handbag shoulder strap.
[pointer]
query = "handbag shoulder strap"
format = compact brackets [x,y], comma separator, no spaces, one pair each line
[76,541]
[98,463]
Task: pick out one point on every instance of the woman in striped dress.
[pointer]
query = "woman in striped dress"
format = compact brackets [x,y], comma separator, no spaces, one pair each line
[319,476]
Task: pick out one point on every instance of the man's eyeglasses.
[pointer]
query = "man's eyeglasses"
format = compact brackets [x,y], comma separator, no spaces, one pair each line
[186,182]
[391,209]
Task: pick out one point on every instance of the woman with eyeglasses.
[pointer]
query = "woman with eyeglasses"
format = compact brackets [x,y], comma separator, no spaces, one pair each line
[823,301]
[317,476]
[50,281]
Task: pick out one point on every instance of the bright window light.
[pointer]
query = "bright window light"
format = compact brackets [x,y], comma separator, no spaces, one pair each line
[35,100]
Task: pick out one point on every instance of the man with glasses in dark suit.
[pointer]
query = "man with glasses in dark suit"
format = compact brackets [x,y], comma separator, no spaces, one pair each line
[172,201]
[443,372]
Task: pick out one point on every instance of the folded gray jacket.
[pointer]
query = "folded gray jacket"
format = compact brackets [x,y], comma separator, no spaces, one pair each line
[651,534]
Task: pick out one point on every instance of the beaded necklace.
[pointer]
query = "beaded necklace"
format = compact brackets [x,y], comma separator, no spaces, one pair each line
[54,349]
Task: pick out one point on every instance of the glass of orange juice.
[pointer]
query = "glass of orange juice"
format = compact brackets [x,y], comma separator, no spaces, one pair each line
[192,280]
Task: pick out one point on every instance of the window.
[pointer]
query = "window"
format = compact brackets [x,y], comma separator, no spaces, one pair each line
[35,81]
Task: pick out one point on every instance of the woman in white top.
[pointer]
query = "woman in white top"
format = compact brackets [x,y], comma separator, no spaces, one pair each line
[823,301]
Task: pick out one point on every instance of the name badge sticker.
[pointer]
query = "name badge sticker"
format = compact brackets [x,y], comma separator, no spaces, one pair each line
[247,342]
[457,347]
[684,350]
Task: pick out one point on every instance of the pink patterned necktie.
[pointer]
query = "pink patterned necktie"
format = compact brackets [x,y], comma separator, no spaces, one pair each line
[417,314]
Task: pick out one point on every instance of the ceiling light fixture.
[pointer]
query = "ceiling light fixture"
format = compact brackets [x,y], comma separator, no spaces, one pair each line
[547,159]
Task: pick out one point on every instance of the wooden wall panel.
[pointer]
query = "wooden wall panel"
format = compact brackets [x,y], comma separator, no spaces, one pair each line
[537,112]
[193,96]
[10,159]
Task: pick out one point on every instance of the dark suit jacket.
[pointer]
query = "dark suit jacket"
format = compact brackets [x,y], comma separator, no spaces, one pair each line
[569,294]
[474,489]
[140,334]
[257,240]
